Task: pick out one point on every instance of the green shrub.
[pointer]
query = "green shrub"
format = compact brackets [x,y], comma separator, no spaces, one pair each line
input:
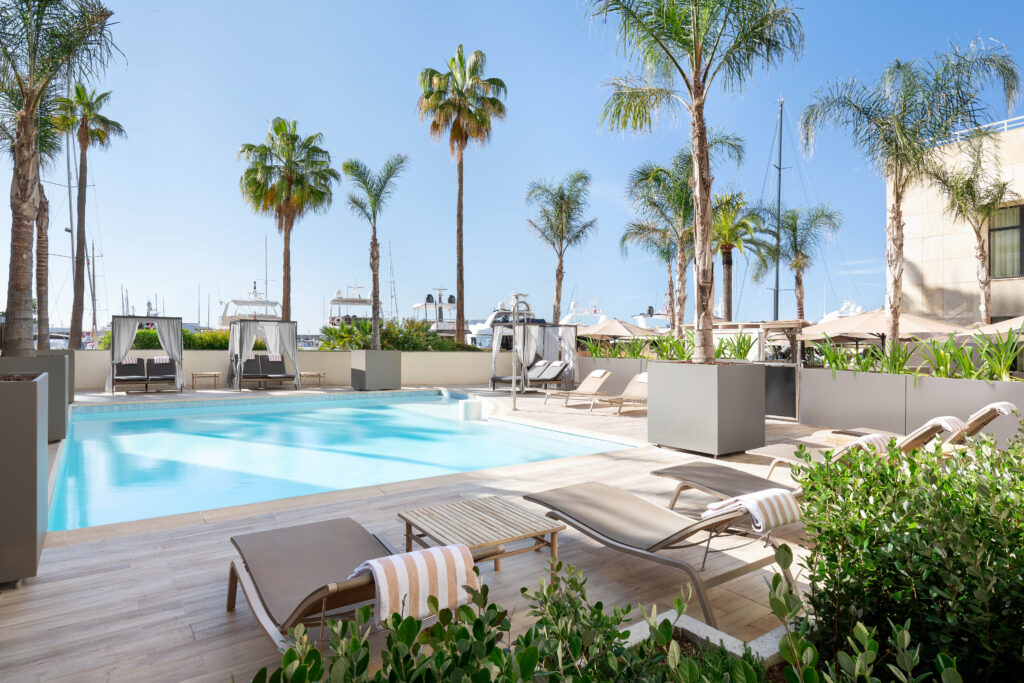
[668,348]
[933,542]
[395,335]
[206,340]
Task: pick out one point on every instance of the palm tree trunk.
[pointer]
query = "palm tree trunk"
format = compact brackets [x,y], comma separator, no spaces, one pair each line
[984,280]
[894,268]
[375,288]
[727,281]
[704,349]
[78,301]
[42,272]
[670,298]
[682,265]
[460,311]
[798,289]
[559,273]
[286,275]
[24,208]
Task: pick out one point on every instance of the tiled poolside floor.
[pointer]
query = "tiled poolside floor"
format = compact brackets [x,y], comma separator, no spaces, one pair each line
[145,600]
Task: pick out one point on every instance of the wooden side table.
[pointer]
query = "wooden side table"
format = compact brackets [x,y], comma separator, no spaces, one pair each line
[215,376]
[481,523]
[320,377]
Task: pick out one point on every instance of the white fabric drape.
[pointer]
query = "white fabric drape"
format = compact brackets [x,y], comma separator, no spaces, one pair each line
[232,352]
[499,333]
[122,335]
[524,345]
[287,344]
[168,332]
[242,347]
[567,343]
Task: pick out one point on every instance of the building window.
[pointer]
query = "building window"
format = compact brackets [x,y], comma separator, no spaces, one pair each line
[1005,243]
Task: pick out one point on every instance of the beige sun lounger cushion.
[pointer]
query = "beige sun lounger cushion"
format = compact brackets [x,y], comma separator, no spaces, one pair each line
[588,388]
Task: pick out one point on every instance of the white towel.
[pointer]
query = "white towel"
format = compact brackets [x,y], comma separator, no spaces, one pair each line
[768,509]
[129,360]
[879,441]
[405,581]
[160,360]
[273,357]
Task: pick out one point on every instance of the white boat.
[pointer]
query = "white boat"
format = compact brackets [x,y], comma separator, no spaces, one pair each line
[342,306]
[253,306]
[480,333]
[847,309]
[583,316]
[652,320]
[439,311]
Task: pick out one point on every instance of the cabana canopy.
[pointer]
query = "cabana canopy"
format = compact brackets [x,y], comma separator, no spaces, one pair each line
[534,342]
[123,329]
[281,338]
[872,325]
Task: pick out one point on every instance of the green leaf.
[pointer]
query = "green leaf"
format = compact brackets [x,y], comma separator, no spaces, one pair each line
[527,661]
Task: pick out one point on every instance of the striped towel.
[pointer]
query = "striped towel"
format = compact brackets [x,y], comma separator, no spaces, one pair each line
[769,509]
[273,357]
[161,360]
[879,441]
[405,581]
[129,360]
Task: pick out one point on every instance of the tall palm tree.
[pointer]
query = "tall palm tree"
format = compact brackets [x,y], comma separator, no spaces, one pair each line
[656,239]
[461,103]
[80,113]
[700,43]
[735,226]
[374,191]
[43,40]
[287,176]
[804,232]
[974,192]
[664,194]
[562,221]
[899,121]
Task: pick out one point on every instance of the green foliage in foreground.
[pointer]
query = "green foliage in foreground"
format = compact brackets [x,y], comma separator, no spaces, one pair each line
[207,340]
[736,346]
[576,640]
[395,335]
[930,540]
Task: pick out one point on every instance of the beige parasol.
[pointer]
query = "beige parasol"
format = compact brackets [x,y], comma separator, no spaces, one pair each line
[872,325]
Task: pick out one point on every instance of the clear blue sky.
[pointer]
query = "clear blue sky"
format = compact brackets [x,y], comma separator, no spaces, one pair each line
[199,78]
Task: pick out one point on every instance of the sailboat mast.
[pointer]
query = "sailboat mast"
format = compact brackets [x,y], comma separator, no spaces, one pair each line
[778,214]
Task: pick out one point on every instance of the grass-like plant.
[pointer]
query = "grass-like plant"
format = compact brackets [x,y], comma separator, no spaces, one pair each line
[999,353]
[833,356]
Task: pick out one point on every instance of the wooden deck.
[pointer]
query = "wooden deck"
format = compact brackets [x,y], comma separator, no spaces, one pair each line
[146,600]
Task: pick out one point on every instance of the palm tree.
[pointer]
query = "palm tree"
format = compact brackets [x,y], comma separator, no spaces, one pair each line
[804,232]
[461,103]
[735,226]
[697,42]
[375,189]
[562,221]
[658,241]
[287,176]
[973,195]
[899,121]
[664,195]
[44,42]
[80,113]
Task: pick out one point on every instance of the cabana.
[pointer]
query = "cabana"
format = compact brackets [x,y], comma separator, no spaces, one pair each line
[123,329]
[281,339]
[531,343]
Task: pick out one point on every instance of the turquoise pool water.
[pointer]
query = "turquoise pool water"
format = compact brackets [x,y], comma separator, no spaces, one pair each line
[124,463]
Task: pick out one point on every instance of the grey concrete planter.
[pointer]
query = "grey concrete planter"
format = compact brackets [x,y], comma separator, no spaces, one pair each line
[622,369]
[23,487]
[934,396]
[712,409]
[70,355]
[376,370]
[57,369]
[848,400]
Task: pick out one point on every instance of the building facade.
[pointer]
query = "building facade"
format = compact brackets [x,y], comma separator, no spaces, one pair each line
[940,271]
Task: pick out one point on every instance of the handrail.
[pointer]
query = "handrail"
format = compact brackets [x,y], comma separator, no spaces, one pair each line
[993,127]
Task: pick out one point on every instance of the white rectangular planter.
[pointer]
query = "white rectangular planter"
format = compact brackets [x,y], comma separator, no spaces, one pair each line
[854,399]
[712,409]
[376,370]
[23,488]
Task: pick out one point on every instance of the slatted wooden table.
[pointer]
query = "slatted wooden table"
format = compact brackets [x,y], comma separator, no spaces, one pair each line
[481,523]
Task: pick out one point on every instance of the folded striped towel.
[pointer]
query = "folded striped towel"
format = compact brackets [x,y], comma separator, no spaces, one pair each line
[273,357]
[405,581]
[160,360]
[768,509]
[252,356]
[879,441]
[129,360]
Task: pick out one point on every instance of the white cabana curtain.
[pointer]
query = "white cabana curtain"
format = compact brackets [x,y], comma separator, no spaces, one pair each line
[241,339]
[525,345]
[567,347]
[122,335]
[288,344]
[168,331]
[281,338]
[500,332]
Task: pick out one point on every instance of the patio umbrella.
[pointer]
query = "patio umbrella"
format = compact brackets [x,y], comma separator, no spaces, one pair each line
[614,329]
[1000,328]
[872,325]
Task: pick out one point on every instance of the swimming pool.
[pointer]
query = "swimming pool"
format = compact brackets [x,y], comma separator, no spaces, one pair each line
[134,461]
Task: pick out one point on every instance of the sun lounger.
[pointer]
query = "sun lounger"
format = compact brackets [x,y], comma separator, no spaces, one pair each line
[252,372]
[633,525]
[299,574]
[977,422]
[161,370]
[724,482]
[634,394]
[533,373]
[552,374]
[589,388]
[274,370]
[132,373]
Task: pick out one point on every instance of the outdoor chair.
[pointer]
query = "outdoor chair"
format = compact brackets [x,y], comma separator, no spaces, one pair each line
[635,394]
[252,372]
[274,369]
[554,373]
[589,388]
[632,525]
[161,370]
[131,373]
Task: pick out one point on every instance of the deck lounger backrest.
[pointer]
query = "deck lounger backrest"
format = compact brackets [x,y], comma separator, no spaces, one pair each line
[637,388]
[251,368]
[537,369]
[593,382]
[130,371]
[160,371]
[554,371]
[981,419]
[274,368]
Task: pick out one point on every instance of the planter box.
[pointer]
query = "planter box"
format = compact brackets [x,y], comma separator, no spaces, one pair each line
[57,369]
[23,487]
[70,355]
[850,400]
[713,409]
[622,369]
[934,396]
[376,370]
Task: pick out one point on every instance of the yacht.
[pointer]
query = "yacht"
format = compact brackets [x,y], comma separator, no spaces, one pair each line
[480,333]
[253,306]
[439,311]
[342,306]
[652,320]
[583,316]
